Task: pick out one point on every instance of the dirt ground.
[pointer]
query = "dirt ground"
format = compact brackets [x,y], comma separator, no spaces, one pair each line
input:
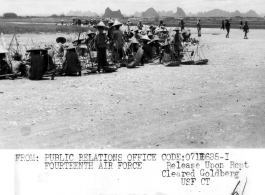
[219,105]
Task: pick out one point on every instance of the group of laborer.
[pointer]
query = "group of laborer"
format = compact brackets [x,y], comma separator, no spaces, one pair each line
[226,24]
[149,42]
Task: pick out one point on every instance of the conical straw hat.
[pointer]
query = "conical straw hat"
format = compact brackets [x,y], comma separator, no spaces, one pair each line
[117,23]
[145,37]
[101,24]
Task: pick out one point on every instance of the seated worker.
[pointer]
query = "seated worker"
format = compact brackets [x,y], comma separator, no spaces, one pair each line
[164,49]
[134,46]
[137,34]
[147,49]
[4,66]
[186,35]
[154,43]
[59,46]
[19,69]
[35,63]
[71,63]
[48,62]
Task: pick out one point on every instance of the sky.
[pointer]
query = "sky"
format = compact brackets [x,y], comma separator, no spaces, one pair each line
[48,7]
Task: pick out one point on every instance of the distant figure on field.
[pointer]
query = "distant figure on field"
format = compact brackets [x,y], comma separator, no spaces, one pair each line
[62,22]
[241,25]
[199,27]
[182,23]
[223,25]
[246,30]
[140,25]
[227,27]
[161,23]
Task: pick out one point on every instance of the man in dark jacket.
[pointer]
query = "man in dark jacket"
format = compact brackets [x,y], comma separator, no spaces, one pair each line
[227,27]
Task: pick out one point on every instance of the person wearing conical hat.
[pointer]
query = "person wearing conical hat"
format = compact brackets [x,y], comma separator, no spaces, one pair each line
[117,39]
[101,40]
[90,38]
[147,49]
[137,34]
[110,30]
[178,41]
[134,45]
[154,43]
[71,62]
[35,63]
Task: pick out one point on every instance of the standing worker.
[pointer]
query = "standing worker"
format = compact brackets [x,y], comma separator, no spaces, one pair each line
[177,42]
[101,40]
[182,23]
[140,25]
[246,30]
[117,38]
[227,27]
[199,27]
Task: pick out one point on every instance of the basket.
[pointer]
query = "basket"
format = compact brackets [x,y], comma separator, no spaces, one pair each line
[110,68]
[191,62]
[201,62]
[173,63]
[133,64]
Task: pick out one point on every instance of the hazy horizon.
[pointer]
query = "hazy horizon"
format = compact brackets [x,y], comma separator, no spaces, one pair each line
[128,7]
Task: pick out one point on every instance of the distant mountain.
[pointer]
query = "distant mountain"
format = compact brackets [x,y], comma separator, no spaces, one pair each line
[179,13]
[164,13]
[80,13]
[150,13]
[138,14]
[112,14]
[221,13]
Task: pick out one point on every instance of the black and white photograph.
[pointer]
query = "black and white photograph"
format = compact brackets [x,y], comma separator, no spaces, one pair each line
[90,85]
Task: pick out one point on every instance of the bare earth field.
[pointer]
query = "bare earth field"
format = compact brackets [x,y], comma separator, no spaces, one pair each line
[219,105]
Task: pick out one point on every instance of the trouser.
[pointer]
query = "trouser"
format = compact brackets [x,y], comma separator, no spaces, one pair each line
[102,57]
[245,35]
[227,35]
[120,53]
[199,31]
